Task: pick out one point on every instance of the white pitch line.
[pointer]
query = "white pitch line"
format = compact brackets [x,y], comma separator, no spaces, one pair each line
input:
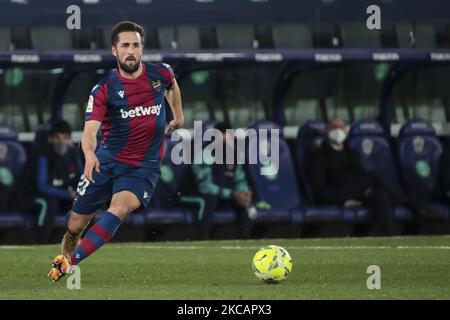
[288,247]
[156,247]
[426,247]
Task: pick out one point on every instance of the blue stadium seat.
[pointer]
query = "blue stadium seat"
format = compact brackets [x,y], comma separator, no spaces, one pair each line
[12,157]
[167,216]
[236,36]
[41,136]
[7,133]
[12,160]
[309,137]
[5,39]
[11,219]
[280,190]
[419,154]
[60,220]
[368,138]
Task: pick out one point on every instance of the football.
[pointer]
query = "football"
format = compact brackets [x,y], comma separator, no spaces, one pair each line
[272,264]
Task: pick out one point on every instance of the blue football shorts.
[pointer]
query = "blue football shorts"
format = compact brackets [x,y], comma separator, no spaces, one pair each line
[114,177]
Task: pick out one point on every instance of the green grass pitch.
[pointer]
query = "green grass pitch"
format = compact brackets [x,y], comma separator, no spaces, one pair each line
[411,268]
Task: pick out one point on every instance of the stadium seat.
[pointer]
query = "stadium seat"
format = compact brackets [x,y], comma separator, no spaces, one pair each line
[5,39]
[11,219]
[419,154]
[367,137]
[235,36]
[84,38]
[325,36]
[166,38]
[279,190]
[51,38]
[292,36]
[443,35]
[102,36]
[41,136]
[152,38]
[20,38]
[12,154]
[7,133]
[188,38]
[309,137]
[264,36]
[425,36]
[405,35]
[12,160]
[356,35]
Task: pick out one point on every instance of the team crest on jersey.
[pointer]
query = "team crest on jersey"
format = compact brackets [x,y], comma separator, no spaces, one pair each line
[156,85]
[90,105]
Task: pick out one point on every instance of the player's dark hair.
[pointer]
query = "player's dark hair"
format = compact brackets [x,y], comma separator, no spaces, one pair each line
[60,126]
[125,26]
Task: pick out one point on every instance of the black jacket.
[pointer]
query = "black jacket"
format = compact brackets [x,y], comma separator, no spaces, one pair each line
[337,176]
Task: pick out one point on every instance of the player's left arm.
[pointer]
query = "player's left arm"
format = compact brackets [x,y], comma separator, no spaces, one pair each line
[173,96]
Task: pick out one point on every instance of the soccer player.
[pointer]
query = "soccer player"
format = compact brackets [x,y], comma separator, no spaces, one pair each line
[128,105]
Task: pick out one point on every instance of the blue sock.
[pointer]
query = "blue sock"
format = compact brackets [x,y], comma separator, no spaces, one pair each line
[99,234]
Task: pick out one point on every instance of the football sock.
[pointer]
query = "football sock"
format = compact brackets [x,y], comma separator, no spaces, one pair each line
[99,234]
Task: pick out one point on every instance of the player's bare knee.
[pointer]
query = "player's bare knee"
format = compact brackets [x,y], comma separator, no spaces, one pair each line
[75,227]
[76,223]
[120,209]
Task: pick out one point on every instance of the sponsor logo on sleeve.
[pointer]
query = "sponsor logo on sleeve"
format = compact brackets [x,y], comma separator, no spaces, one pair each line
[90,105]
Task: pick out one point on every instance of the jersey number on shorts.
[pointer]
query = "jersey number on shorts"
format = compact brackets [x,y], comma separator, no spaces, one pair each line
[82,185]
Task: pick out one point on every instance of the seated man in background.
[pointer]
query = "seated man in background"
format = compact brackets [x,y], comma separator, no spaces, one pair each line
[58,169]
[222,185]
[339,178]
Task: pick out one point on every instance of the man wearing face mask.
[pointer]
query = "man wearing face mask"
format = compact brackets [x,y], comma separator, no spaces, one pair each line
[339,178]
[58,171]
[222,185]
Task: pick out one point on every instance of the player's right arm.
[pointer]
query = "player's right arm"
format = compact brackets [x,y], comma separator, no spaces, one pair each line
[88,144]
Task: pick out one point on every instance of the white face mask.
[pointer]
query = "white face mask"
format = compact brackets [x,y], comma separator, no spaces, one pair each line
[337,135]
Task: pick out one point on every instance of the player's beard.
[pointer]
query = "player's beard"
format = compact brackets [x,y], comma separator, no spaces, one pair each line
[129,69]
